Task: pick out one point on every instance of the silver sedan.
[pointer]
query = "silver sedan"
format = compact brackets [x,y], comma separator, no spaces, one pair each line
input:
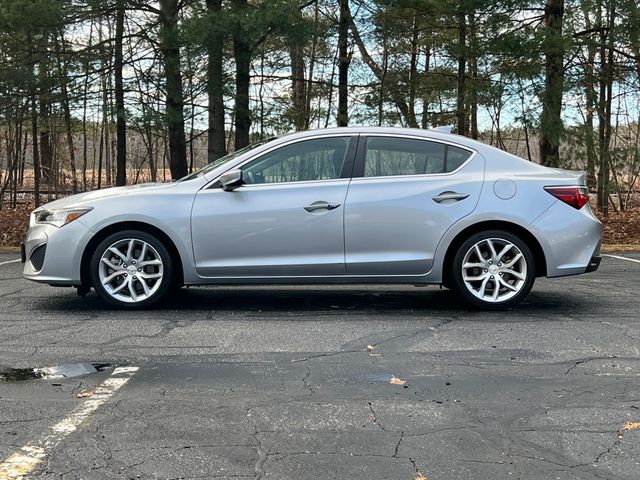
[337,206]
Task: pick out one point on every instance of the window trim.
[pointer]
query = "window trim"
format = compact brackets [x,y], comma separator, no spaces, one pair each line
[346,169]
[358,170]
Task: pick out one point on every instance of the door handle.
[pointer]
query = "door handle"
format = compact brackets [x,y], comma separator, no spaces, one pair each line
[444,196]
[321,206]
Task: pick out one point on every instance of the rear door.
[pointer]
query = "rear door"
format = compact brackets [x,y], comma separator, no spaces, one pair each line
[406,192]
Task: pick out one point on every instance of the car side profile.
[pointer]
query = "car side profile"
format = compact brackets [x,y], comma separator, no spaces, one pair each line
[335,206]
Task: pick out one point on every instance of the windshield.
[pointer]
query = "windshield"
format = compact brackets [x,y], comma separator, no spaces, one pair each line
[222,160]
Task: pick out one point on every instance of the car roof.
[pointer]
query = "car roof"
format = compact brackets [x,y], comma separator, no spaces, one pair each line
[436,134]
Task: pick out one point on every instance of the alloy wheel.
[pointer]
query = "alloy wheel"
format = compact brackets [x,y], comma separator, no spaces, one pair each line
[130,270]
[494,270]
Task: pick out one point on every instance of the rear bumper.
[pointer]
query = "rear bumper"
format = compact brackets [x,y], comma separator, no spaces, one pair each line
[593,264]
[570,239]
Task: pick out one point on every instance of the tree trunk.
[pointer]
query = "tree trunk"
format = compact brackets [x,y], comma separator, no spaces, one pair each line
[298,84]
[216,146]
[606,94]
[461,112]
[67,123]
[473,75]
[103,153]
[425,92]
[383,78]
[121,121]
[66,111]
[343,64]
[46,161]
[36,153]
[242,54]
[312,62]
[551,121]
[170,49]
[104,136]
[413,66]
[591,100]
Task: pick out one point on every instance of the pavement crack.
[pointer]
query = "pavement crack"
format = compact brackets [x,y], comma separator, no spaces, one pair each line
[329,354]
[585,360]
[75,389]
[374,417]
[395,452]
[484,462]
[305,379]
[582,467]
[262,456]
[610,449]
[415,467]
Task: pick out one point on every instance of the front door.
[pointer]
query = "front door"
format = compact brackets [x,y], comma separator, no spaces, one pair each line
[285,220]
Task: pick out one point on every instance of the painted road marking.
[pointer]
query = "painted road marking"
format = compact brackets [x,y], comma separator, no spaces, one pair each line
[9,261]
[622,258]
[21,463]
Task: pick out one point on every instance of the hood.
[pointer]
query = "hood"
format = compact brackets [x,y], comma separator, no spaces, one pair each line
[85,199]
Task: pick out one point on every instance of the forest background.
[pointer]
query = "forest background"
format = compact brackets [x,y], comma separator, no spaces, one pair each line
[113,92]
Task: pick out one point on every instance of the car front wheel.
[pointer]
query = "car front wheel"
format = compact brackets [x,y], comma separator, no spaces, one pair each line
[131,269]
[493,270]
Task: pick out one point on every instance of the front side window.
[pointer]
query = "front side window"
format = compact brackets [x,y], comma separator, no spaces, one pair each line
[309,160]
[389,156]
[227,158]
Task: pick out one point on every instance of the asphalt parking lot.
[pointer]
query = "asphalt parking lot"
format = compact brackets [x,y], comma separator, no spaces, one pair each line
[294,383]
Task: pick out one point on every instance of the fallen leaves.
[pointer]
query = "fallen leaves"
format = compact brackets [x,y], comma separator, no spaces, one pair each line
[397,381]
[86,394]
[627,427]
[621,227]
[14,223]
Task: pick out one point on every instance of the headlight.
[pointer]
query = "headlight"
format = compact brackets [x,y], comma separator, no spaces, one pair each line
[58,217]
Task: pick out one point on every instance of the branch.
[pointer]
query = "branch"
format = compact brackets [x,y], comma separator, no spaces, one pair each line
[377,71]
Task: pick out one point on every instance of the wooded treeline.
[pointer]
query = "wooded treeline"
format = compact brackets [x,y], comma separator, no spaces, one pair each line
[109,92]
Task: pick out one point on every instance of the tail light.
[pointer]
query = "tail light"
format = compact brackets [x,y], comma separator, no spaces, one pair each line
[577,197]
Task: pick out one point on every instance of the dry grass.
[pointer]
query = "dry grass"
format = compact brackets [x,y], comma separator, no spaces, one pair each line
[621,247]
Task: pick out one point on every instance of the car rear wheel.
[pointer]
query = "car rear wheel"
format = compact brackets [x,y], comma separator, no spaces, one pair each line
[131,270]
[493,270]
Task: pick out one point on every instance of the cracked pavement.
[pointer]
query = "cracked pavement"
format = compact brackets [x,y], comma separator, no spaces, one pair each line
[293,383]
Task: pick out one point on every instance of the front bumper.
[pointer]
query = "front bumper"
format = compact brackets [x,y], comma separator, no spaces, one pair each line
[62,248]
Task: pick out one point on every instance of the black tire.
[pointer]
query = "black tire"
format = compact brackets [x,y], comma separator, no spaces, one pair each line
[522,279]
[160,287]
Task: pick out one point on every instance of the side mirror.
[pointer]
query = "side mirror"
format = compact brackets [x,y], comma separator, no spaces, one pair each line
[231,180]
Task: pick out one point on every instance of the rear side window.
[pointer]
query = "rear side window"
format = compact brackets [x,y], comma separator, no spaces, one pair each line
[389,156]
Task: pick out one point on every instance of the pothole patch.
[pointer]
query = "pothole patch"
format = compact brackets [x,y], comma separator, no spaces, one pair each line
[64,370]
